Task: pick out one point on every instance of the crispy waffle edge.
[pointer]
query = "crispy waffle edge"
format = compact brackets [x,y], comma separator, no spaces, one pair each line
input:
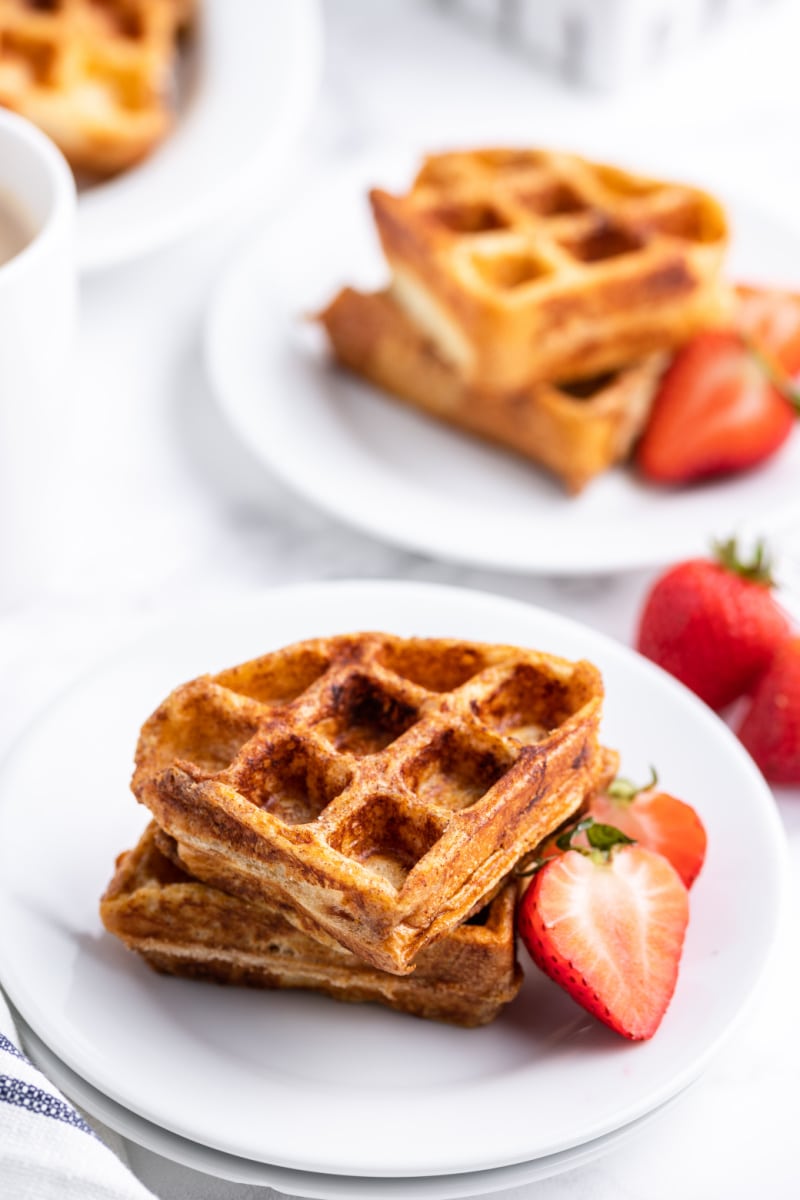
[529,264]
[576,431]
[392,845]
[183,927]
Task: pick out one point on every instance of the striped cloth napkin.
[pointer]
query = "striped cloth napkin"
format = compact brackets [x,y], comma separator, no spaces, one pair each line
[47,1151]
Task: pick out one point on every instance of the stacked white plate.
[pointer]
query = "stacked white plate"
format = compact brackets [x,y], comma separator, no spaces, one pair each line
[331,1100]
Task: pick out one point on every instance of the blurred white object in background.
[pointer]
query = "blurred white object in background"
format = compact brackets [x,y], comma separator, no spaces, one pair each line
[38,297]
[603,43]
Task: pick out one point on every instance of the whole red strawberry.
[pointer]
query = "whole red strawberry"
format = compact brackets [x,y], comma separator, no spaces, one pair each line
[771,727]
[714,624]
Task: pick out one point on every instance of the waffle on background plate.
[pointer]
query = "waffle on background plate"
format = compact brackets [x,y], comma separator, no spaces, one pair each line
[346,814]
[381,788]
[98,76]
[533,298]
[576,430]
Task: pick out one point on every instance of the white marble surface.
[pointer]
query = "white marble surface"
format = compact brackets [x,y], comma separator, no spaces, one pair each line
[161,507]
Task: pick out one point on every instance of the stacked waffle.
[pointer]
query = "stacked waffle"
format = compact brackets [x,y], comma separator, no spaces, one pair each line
[533,297]
[346,814]
[98,76]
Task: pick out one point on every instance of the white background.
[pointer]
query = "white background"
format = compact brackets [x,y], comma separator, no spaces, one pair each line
[162,508]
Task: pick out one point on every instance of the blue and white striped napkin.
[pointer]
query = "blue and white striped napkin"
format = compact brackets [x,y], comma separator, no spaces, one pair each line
[47,1150]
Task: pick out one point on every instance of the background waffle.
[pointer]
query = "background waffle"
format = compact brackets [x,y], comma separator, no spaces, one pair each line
[526,265]
[183,927]
[96,75]
[381,787]
[576,430]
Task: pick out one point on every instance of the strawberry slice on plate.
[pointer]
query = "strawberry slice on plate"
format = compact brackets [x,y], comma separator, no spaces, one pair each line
[656,820]
[607,923]
[718,410]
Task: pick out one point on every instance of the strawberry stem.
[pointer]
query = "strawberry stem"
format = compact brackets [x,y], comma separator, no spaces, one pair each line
[601,838]
[533,867]
[625,791]
[776,376]
[606,837]
[792,394]
[565,841]
[758,570]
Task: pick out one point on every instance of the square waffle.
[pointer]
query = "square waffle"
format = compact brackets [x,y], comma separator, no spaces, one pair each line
[380,787]
[576,430]
[183,927]
[96,75]
[526,265]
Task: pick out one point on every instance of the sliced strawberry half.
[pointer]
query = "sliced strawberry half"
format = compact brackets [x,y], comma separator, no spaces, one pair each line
[608,925]
[719,409]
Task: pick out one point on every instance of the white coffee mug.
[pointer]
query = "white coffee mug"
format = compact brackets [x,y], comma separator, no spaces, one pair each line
[38,304]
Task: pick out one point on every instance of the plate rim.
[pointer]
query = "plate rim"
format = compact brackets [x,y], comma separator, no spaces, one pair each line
[256,603]
[481,1183]
[304,19]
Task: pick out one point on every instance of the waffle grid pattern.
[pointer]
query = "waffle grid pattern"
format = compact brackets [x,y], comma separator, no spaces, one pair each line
[96,75]
[575,430]
[532,264]
[380,787]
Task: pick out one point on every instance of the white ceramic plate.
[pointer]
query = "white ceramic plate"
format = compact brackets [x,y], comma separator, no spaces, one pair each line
[409,480]
[248,83]
[305,1183]
[295,1079]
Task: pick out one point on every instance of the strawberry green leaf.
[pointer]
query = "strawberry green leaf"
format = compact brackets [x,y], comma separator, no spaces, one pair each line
[600,838]
[758,570]
[565,841]
[625,790]
[605,837]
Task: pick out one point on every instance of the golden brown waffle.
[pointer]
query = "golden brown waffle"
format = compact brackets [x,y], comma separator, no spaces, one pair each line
[380,787]
[96,75]
[526,265]
[183,927]
[575,430]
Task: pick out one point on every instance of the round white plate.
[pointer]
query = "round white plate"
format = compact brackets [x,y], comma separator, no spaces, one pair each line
[306,1183]
[247,85]
[295,1079]
[409,480]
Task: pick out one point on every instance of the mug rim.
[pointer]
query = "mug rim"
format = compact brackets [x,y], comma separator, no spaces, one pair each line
[64,200]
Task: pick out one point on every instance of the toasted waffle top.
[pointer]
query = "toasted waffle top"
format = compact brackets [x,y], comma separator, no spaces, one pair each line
[531,264]
[96,75]
[186,928]
[380,787]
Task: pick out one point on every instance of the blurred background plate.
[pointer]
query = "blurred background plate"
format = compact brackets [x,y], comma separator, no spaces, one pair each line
[410,481]
[248,84]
